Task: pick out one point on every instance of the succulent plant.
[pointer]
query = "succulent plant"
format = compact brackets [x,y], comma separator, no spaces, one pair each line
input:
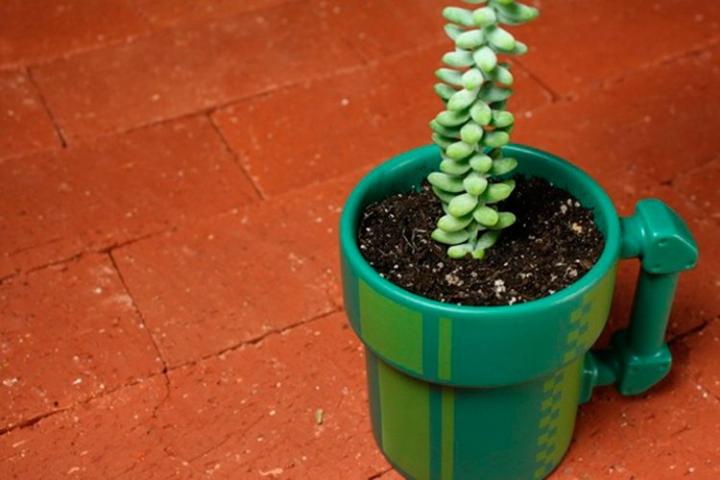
[475,125]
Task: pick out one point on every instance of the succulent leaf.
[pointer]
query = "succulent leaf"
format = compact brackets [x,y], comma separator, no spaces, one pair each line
[470,39]
[471,133]
[504,165]
[452,119]
[452,224]
[496,139]
[497,192]
[444,91]
[502,119]
[447,183]
[459,251]
[485,59]
[486,216]
[520,48]
[453,31]
[462,100]
[463,204]
[454,167]
[459,58]
[481,163]
[475,184]
[448,132]
[513,13]
[481,113]
[459,150]
[444,196]
[448,75]
[487,239]
[475,125]
[448,238]
[502,75]
[484,17]
[472,79]
[440,141]
[505,219]
[494,94]
[459,16]
[501,39]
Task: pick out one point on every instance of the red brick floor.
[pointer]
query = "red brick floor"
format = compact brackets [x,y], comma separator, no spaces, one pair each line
[172,173]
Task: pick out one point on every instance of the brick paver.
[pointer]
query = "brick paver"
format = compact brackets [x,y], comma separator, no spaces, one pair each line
[111,437]
[663,434]
[580,43]
[700,186]
[658,121]
[114,190]
[24,122]
[357,119]
[33,31]
[181,71]
[169,287]
[173,13]
[294,404]
[239,276]
[68,333]
[259,411]
[614,134]
[377,29]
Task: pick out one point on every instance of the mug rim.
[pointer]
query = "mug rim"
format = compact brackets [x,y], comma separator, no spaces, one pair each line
[358,264]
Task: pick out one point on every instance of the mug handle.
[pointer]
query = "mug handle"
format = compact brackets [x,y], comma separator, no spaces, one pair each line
[639,357]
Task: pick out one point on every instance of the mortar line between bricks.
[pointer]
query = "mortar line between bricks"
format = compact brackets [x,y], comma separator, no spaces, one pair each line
[132,38]
[165,372]
[255,340]
[116,245]
[33,247]
[31,421]
[34,420]
[7,277]
[30,153]
[224,104]
[136,307]
[76,52]
[554,96]
[83,253]
[234,155]
[110,248]
[642,68]
[690,171]
[142,319]
[91,397]
[350,69]
[363,57]
[692,332]
[611,81]
[46,107]
[380,474]
[226,439]
[698,50]
[259,94]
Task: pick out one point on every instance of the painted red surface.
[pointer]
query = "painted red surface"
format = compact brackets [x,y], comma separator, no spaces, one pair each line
[169,287]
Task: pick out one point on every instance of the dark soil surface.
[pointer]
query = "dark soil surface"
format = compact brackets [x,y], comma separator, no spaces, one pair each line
[553,243]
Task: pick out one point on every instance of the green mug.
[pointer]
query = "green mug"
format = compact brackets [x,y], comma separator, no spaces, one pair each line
[463,392]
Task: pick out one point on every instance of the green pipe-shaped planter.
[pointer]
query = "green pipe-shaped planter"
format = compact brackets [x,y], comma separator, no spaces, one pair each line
[492,392]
